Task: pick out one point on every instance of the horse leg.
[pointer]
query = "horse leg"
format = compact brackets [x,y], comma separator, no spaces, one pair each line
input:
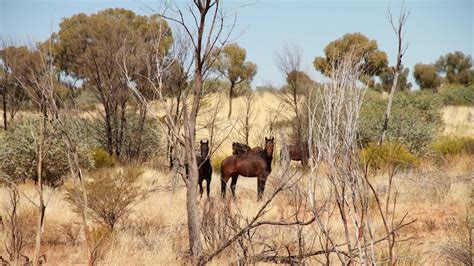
[261,185]
[208,187]
[233,184]
[201,180]
[224,180]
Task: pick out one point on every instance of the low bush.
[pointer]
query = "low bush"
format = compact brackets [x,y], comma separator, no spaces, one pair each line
[446,145]
[216,162]
[459,95]
[111,192]
[387,155]
[18,153]
[102,158]
[137,144]
[414,122]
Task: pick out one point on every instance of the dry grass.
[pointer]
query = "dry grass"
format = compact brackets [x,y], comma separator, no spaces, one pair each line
[156,231]
[459,120]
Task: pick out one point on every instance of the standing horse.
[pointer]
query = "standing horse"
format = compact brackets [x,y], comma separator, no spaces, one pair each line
[249,165]
[240,148]
[295,153]
[205,167]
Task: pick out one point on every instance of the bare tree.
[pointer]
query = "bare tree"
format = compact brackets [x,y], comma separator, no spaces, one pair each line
[399,30]
[333,122]
[246,121]
[13,235]
[43,88]
[289,61]
[206,30]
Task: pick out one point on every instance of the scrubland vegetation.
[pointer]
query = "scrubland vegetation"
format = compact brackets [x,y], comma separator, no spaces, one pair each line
[100,139]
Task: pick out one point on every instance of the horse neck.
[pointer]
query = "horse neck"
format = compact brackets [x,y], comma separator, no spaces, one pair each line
[204,157]
[267,158]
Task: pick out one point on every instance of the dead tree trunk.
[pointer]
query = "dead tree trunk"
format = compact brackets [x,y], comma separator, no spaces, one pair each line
[402,47]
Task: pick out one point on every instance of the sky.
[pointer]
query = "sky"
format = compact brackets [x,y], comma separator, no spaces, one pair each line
[434,27]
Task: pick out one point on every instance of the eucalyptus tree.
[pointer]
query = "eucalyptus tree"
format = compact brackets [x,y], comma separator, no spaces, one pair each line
[93,47]
[366,53]
[231,64]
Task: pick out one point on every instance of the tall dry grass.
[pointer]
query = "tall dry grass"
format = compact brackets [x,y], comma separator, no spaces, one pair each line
[155,232]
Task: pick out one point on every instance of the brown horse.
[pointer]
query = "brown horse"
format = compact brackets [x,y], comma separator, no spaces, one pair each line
[295,153]
[240,148]
[249,165]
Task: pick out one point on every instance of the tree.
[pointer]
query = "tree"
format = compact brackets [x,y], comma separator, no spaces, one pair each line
[298,83]
[203,35]
[398,29]
[13,65]
[92,47]
[456,67]
[367,56]
[426,76]
[232,65]
[387,78]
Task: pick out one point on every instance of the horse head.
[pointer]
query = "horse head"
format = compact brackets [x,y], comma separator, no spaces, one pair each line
[269,145]
[204,148]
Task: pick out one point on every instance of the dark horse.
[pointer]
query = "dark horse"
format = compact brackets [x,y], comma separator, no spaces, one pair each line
[204,167]
[240,148]
[295,153]
[249,165]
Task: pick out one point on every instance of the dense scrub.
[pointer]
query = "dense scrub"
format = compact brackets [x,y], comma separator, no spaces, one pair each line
[416,119]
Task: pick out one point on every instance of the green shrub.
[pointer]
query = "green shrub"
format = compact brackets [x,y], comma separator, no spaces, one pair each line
[387,155]
[18,154]
[458,95]
[137,144]
[102,158]
[216,162]
[111,192]
[453,145]
[414,122]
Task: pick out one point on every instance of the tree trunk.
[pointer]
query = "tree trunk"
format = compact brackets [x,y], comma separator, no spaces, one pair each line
[231,96]
[194,224]
[5,122]
[41,206]
[389,107]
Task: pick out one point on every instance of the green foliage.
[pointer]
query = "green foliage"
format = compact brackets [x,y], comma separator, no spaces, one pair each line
[414,122]
[386,80]
[98,37]
[216,163]
[298,82]
[446,146]
[18,157]
[101,158]
[232,65]
[138,143]
[89,47]
[365,51]
[457,95]
[110,194]
[387,155]
[217,85]
[426,76]
[456,67]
